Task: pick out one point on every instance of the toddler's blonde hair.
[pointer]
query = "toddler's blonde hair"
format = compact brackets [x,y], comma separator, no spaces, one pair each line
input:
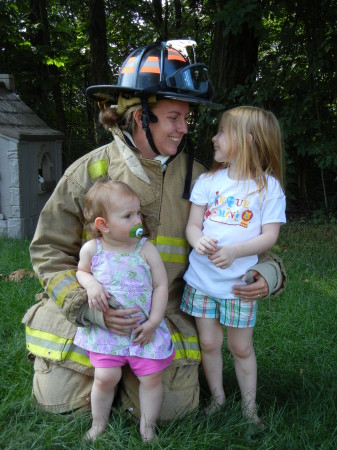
[98,200]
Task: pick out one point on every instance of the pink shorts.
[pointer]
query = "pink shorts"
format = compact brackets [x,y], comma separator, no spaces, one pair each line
[139,366]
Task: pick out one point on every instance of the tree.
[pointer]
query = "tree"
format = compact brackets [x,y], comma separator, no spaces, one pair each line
[99,69]
[297,73]
[234,48]
[47,75]
[280,55]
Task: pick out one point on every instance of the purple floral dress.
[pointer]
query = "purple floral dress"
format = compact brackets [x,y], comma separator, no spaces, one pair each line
[127,277]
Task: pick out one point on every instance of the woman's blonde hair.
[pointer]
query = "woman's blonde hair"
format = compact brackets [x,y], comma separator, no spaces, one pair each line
[255,137]
[98,200]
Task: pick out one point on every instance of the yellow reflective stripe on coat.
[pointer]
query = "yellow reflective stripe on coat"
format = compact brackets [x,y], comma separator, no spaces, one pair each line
[50,346]
[173,249]
[79,355]
[98,168]
[61,285]
[186,348]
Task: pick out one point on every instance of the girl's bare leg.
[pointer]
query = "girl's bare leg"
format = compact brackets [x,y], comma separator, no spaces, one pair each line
[211,339]
[240,343]
[150,398]
[102,395]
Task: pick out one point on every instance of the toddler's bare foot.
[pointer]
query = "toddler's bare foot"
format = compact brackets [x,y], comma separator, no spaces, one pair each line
[94,431]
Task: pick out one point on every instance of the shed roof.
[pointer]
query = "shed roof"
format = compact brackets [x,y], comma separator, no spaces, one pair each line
[18,121]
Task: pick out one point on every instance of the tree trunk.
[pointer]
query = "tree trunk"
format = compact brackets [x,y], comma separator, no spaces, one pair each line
[49,77]
[234,55]
[233,59]
[98,43]
[99,64]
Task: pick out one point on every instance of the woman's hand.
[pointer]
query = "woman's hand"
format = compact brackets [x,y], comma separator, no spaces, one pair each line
[256,290]
[119,322]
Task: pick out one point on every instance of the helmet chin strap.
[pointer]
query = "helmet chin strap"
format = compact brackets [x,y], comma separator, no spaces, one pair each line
[147,117]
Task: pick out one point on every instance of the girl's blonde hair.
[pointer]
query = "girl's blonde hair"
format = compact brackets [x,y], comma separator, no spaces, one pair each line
[255,138]
[100,198]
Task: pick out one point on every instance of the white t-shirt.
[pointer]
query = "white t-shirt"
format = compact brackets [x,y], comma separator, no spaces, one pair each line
[235,212]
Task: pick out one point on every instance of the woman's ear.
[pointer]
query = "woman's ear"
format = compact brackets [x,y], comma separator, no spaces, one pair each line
[101,224]
[137,116]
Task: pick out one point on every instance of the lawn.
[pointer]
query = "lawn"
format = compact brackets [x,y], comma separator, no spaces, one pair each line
[295,342]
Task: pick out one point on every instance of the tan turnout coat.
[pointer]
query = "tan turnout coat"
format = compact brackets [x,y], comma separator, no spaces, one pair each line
[51,323]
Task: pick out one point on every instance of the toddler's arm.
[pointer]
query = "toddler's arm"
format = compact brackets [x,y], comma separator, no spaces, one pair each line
[225,255]
[159,295]
[97,294]
[204,245]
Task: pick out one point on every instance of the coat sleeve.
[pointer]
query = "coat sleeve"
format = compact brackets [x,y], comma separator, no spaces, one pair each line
[271,268]
[56,244]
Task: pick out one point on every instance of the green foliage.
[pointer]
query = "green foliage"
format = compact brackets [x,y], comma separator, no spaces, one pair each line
[295,76]
[234,18]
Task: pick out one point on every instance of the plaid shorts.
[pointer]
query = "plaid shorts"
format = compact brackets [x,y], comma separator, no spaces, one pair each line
[232,312]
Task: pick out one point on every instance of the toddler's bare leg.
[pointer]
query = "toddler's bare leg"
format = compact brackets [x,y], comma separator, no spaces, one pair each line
[102,395]
[150,398]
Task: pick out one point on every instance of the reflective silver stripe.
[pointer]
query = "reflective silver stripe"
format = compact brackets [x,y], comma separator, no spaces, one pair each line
[162,248]
[57,346]
[58,288]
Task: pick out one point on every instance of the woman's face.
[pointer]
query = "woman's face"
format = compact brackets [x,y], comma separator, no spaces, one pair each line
[171,126]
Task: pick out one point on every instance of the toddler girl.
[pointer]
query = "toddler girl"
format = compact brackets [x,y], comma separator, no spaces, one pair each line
[118,268]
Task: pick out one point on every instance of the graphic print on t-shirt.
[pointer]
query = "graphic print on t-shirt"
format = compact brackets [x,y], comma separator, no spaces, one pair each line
[228,210]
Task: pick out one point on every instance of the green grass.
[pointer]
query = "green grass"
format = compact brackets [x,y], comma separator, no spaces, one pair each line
[295,343]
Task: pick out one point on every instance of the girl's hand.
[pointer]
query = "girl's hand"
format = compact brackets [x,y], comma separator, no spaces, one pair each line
[223,257]
[97,296]
[145,333]
[206,245]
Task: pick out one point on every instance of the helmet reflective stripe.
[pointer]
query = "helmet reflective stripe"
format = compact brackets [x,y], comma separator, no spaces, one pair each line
[174,55]
[129,66]
[151,65]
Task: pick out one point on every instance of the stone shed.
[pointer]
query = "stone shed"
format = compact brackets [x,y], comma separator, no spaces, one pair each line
[30,163]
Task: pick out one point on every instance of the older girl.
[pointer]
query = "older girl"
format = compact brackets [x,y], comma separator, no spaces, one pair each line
[236,212]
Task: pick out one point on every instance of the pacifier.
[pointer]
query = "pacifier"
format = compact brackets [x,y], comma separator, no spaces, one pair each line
[136,231]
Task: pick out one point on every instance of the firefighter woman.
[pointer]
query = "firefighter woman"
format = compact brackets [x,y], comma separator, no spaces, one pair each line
[147,113]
